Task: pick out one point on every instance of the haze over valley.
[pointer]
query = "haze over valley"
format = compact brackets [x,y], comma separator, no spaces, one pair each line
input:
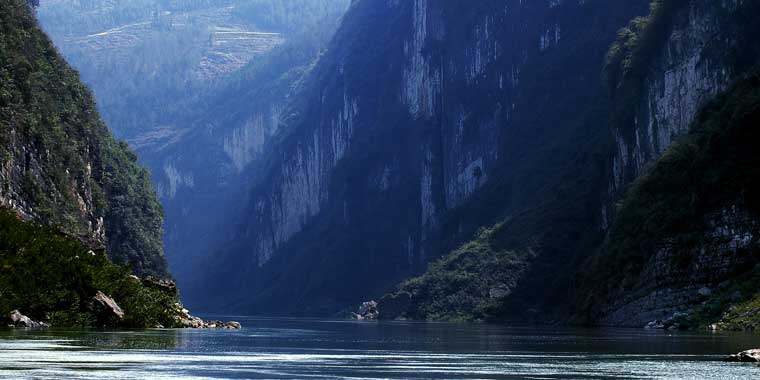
[319,180]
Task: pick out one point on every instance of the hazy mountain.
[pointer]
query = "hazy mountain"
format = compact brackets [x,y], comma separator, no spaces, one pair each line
[496,159]
[198,88]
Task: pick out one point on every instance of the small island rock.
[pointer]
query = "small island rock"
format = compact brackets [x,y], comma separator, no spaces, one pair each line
[20,320]
[749,356]
[367,311]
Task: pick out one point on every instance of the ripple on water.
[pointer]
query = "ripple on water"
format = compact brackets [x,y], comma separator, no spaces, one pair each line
[311,349]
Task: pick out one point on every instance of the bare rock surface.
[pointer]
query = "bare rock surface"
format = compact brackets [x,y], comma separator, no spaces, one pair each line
[749,356]
[108,305]
[22,321]
[367,312]
[186,320]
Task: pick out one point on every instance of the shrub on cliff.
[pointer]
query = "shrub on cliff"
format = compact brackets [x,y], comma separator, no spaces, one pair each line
[53,277]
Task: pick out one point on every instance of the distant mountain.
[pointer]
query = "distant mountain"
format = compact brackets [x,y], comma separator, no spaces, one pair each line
[199,90]
[147,60]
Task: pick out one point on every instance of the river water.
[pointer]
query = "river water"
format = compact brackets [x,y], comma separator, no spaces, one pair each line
[303,349]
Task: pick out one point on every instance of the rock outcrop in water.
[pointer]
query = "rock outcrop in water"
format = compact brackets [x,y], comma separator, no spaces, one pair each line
[187,320]
[106,306]
[367,311]
[16,319]
[749,356]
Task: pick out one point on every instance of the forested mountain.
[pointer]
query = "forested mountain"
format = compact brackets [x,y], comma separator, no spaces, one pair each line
[61,166]
[78,215]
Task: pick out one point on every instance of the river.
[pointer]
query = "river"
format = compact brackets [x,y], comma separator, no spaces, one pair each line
[302,349]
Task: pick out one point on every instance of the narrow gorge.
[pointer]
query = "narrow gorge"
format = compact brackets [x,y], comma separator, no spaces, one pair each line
[449,161]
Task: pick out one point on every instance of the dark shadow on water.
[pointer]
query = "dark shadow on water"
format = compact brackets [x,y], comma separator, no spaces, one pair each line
[299,348]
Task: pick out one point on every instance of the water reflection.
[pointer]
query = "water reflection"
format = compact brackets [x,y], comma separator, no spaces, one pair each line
[116,340]
[269,348]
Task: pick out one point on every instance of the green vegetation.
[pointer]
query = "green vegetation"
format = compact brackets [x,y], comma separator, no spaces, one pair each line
[744,316]
[133,220]
[629,57]
[51,277]
[716,165]
[638,42]
[734,307]
[467,284]
[60,163]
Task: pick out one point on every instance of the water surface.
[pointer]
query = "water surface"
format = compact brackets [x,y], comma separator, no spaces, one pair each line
[303,349]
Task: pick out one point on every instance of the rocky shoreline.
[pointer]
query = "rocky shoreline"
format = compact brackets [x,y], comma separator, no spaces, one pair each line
[108,313]
[749,356]
[15,319]
[192,322]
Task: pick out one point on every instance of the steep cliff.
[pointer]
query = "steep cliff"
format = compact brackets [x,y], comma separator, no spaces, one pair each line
[686,230]
[198,89]
[663,67]
[484,148]
[493,131]
[60,165]
[231,126]
[667,65]
[391,156]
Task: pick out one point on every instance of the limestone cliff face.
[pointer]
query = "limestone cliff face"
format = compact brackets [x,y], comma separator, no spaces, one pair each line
[203,165]
[413,110]
[706,49]
[197,88]
[433,63]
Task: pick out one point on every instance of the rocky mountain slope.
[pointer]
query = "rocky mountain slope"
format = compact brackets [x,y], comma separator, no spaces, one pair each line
[677,239]
[685,241]
[148,59]
[505,126]
[60,164]
[660,71]
[345,194]
[495,160]
[78,216]
[208,131]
